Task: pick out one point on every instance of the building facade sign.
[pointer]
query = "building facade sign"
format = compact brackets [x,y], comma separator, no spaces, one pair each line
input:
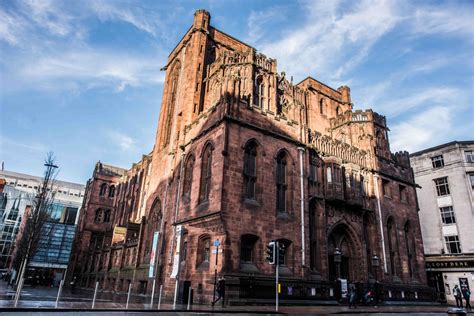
[450,264]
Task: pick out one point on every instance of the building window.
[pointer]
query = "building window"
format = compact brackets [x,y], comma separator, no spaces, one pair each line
[250,170]
[447,215]
[281,182]
[173,86]
[247,244]
[313,167]
[392,245]
[442,186]
[111,191]
[103,189]
[437,161]
[321,106]
[107,216]
[329,174]
[410,246]
[204,251]
[188,177]
[338,110]
[403,193]
[471,179]
[260,92]
[452,244]
[386,188]
[469,155]
[206,172]
[99,216]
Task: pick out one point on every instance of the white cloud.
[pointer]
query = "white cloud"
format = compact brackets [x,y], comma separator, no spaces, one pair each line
[123,141]
[11,26]
[426,129]
[445,19]
[257,21]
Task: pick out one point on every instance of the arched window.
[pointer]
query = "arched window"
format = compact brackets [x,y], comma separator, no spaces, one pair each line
[103,189]
[410,245]
[99,216]
[172,85]
[204,251]
[188,178]
[313,167]
[206,172]
[338,110]
[250,170]
[259,92]
[281,182]
[321,106]
[392,246]
[111,191]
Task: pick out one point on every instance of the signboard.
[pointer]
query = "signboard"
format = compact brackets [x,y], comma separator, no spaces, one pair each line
[451,264]
[151,272]
[175,270]
[119,234]
[343,288]
[217,243]
[463,283]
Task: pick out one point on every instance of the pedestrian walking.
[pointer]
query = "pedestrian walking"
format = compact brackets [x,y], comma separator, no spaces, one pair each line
[457,296]
[352,295]
[466,293]
[220,289]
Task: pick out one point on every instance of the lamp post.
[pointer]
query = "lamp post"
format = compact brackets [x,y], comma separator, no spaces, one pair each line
[375,265]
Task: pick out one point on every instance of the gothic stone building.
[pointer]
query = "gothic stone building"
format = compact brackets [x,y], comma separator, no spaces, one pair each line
[244,156]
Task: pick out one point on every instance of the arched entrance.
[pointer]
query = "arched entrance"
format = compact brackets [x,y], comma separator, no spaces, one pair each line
[341,239]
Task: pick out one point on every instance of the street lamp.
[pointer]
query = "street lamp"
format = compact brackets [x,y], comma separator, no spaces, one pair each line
[375,264]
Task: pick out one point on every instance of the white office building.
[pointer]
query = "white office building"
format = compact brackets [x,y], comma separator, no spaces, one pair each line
[445,174]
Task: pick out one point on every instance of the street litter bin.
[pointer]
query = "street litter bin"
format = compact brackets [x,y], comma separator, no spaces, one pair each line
[455,311]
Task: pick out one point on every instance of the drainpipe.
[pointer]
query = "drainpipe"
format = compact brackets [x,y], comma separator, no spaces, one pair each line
[301,151]
[379,209]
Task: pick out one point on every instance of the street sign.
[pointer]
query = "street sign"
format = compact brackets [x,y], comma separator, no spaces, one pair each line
[217,243]
[214,251]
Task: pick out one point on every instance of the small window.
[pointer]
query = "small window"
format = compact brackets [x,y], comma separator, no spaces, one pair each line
[247,245]
[313,167]
[321,106]
[452,244]
[206,173]
[469,155]
[99,216]
[471,179]
[281,182]
[386,188]
[437,161]
[112,191]
[447,215]
[103,189]
[403,193]
[329,174]
[204,251]
[250,170]
[442,186]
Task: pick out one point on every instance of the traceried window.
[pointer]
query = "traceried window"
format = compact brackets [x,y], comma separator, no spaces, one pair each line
[103,189]
[188,177]
[469,155]
[442,186]
[452,244]
[106,216]
[329,174]
[99,216]
[447,215]
[250,170]
[437,161]
[260,92]
[281,181]
[173,91]
[333,173]
[206,172]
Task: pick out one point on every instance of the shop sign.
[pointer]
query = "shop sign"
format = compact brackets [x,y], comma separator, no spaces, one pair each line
[450,264]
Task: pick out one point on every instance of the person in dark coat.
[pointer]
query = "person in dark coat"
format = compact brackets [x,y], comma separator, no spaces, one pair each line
[352,295]
[220,289]
[466,293]
[457,296]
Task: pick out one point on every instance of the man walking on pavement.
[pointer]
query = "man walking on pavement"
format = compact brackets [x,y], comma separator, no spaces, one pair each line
[457,296]
[467,296]
[220,291]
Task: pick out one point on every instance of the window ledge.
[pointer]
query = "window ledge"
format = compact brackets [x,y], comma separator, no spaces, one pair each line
[283,216]
[203,266]
[251,202]
[248,267]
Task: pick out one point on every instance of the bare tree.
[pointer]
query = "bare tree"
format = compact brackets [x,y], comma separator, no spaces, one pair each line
[33,229]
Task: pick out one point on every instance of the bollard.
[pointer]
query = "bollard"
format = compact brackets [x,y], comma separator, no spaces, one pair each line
[189,297]
[128,295]
[59,293]
[95,294]
[152,293]
[159,298]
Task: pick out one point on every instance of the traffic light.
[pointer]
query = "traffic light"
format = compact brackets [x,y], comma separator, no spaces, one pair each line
[281,253]
[271,252]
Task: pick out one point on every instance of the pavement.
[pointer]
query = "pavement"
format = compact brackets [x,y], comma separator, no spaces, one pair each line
[41,301]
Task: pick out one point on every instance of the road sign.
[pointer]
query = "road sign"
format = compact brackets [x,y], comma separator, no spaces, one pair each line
[217,243]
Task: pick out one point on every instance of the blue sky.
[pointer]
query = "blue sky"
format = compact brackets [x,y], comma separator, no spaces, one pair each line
[83,79]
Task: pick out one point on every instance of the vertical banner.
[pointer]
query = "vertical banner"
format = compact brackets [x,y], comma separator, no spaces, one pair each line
[175,270]
[343,288]
[151,272]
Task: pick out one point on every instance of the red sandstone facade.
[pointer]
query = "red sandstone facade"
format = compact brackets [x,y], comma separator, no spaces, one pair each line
[245,156]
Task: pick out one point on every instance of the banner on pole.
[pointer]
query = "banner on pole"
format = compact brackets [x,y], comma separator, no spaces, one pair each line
[174,271]
[151,272]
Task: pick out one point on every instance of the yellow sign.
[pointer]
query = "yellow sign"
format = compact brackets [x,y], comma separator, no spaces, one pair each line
[119,234]
[279,288]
